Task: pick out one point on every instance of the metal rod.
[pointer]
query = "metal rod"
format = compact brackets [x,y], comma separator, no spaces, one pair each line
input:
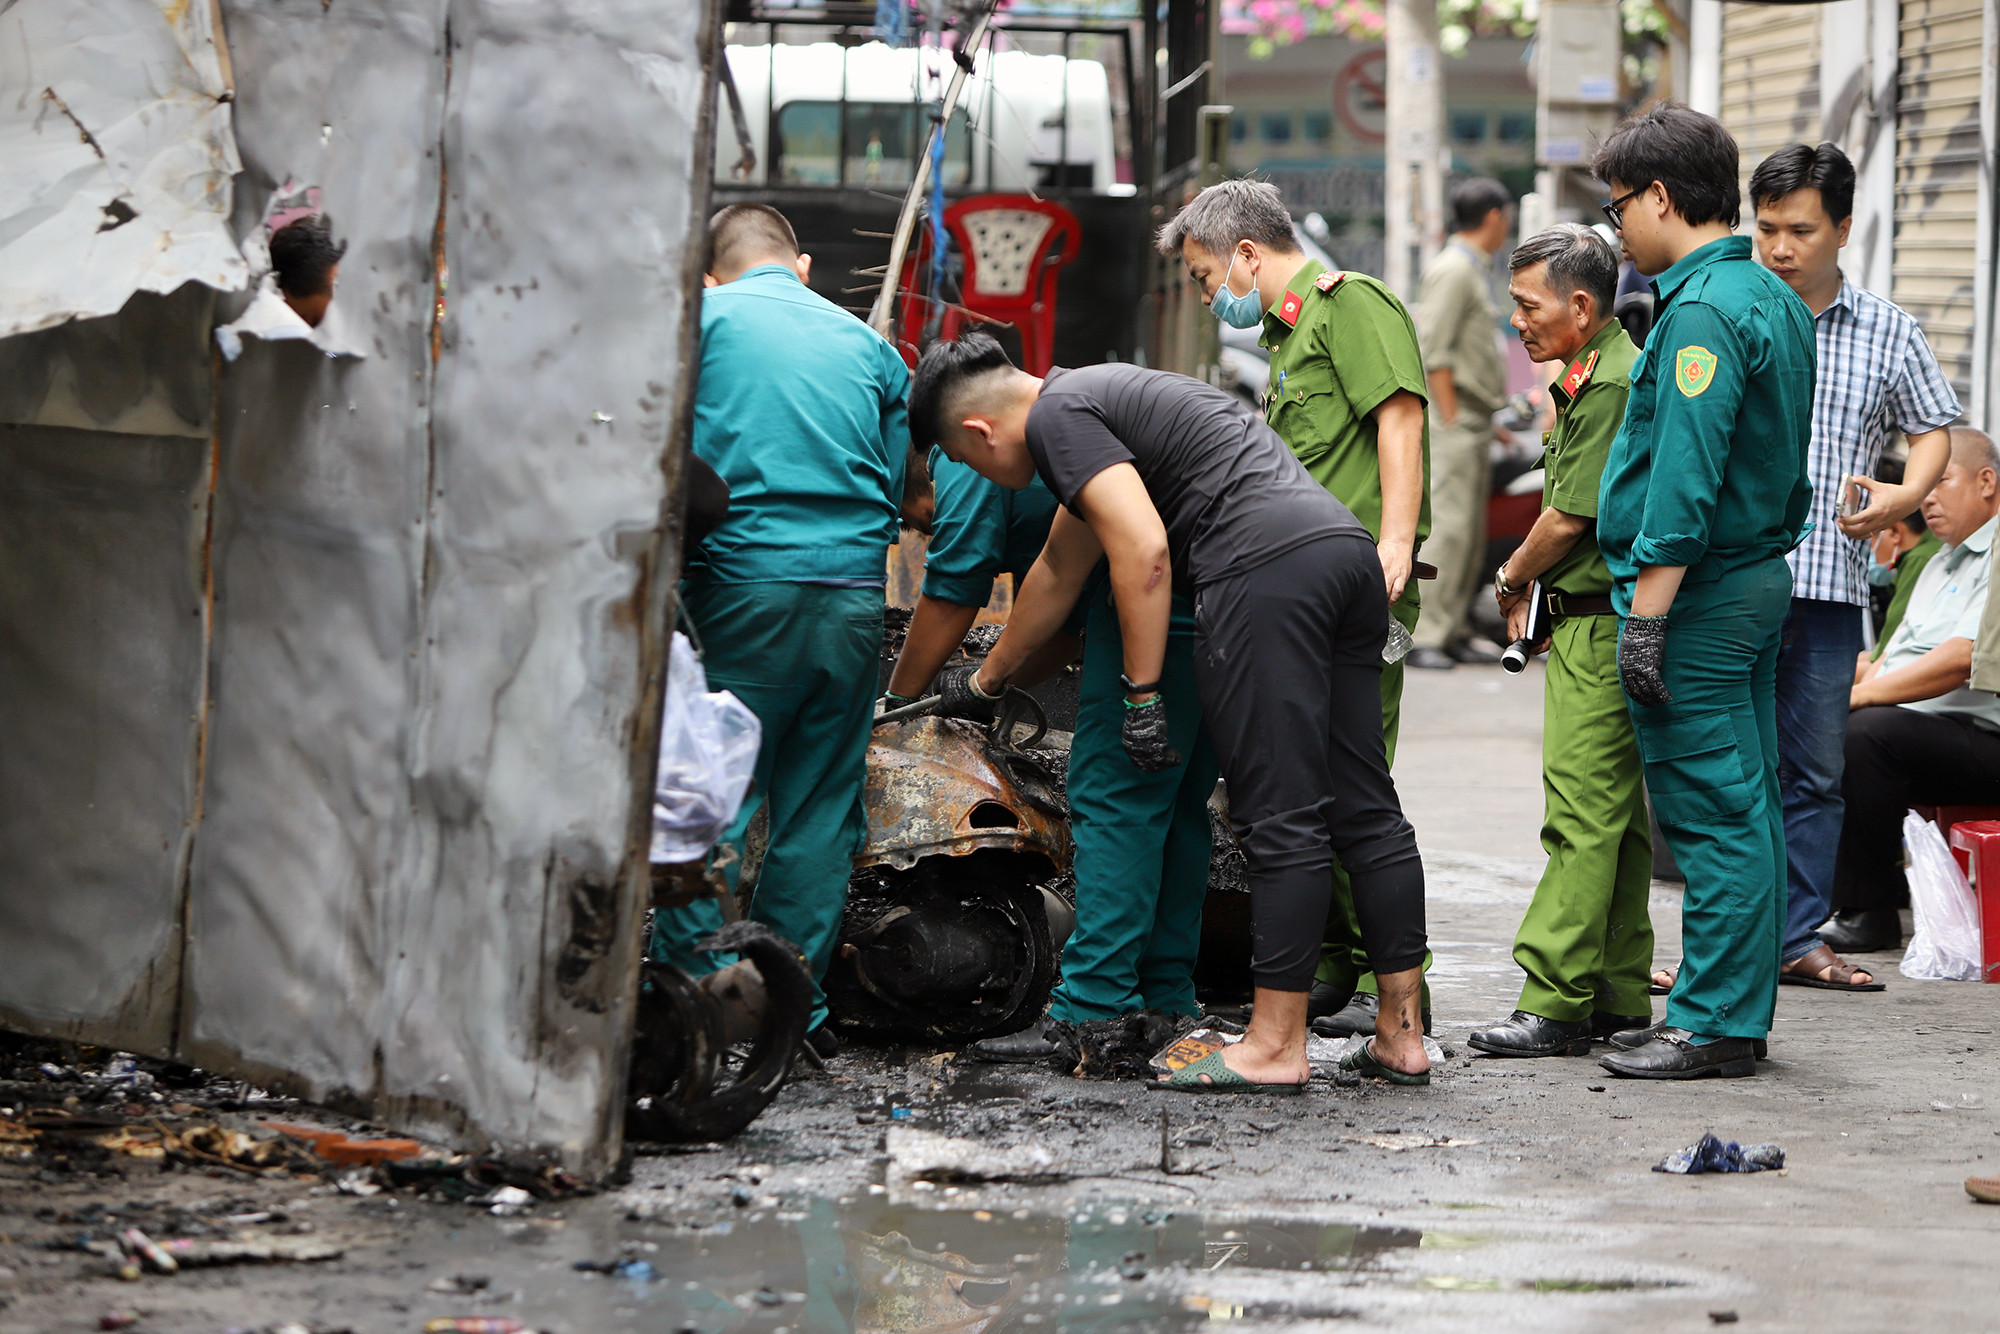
[885,303]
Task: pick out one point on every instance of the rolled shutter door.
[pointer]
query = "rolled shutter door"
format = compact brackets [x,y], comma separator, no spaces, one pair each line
[1770,80]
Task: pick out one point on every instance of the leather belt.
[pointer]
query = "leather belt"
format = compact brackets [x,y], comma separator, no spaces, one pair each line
[1562,606]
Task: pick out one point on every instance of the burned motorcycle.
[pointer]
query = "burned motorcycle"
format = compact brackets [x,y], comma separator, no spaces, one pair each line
[948,932]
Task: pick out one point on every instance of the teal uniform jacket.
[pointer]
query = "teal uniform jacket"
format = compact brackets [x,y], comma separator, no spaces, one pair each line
[801,408]
[1709,469]
[981,531]
[1709,472]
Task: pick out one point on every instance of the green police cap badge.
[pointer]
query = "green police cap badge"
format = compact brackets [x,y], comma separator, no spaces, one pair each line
[1694,368]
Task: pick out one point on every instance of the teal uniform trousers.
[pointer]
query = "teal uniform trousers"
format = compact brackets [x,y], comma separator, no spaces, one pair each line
[1711,761]
[1142,840]
[804,658]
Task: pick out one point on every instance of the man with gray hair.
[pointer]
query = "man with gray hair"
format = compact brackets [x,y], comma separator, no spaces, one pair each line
[1918,733]
[1586,941]
[1346,395]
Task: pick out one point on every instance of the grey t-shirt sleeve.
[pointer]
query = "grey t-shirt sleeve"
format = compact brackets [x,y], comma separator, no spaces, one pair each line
[1072,443]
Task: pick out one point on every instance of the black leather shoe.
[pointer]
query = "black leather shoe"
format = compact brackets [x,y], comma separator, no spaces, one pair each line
[1606,1027]
[1045,1040]
[1673,1054]
[1474,651]
[1357,1016]
[823,1043]
[1325,999]
[1863,932]
[1430,660]
[1527,1034]
[1631,1039]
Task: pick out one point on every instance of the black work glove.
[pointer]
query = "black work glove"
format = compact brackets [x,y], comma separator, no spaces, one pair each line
[1641,650]
[958,697]
[1144,736]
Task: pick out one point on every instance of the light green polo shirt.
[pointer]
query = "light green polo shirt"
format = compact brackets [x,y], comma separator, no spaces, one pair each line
[1947,603]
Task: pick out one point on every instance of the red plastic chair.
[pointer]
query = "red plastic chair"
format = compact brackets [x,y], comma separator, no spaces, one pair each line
[1013,246]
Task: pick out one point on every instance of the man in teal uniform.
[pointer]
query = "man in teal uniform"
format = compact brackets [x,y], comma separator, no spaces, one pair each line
[1346,394]
[1704,493]
[786,594]
[1142,839]
[1586,941]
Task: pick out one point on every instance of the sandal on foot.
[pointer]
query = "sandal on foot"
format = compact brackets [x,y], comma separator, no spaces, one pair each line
[1221,1079]
[1361,1061]
[1672,972]
[1806,970]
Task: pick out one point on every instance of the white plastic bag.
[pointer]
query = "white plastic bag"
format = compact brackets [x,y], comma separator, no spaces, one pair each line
[708,755]
[1945,946]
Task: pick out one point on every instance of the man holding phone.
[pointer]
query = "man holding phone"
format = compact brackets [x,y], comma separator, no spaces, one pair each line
[1876,376]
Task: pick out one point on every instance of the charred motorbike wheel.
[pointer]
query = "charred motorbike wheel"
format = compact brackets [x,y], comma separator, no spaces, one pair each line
[677,1091]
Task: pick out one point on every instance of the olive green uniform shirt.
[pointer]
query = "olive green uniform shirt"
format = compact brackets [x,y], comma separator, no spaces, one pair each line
[1709,469]
[1459,327]
[1590,406]
[1340,345]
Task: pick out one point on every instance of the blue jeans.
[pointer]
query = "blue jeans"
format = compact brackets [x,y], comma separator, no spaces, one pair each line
[1815,673]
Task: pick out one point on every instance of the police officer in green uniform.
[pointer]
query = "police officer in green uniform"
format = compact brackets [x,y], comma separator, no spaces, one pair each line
[1704,493]
[1586,941]
[1143,839]
[786,593]
[1347,393]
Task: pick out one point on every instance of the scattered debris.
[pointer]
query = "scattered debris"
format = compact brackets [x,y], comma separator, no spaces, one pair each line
[507,1201]
[346,1151]
[474,1324]
[924,1155]
[1124,1047]
[1710,1154]
[118,1320]
[1723,1317]
[1397,1141]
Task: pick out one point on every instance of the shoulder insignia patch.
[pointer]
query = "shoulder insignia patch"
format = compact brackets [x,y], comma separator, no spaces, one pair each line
[1694,370]
[1579,374]
[1288,309]
[1329,280]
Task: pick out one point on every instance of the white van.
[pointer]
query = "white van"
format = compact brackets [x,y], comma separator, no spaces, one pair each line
[856,117]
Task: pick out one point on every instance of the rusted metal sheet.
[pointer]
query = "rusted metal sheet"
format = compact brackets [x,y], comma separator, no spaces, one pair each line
[937,788]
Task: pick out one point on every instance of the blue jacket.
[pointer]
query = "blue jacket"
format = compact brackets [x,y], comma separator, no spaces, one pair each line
[801,408]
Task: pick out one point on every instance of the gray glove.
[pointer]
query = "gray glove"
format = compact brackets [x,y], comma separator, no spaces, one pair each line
[1641,650]
[958,697]
[1144,736]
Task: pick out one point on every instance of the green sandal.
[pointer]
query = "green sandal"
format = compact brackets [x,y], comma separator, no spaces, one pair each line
[1221,1079]
[1361,1061]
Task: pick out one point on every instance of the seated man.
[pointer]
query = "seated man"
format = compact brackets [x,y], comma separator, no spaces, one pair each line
[1918,733]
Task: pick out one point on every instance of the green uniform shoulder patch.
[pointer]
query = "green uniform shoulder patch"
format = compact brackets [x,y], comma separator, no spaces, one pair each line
[1694,370]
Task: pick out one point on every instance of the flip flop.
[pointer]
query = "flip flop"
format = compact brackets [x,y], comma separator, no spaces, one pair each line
[1655,989]
[1812,963]
[1221,1079]
[1361,1061]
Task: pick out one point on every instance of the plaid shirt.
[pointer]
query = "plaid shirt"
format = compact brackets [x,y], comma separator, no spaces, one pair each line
[1876,376]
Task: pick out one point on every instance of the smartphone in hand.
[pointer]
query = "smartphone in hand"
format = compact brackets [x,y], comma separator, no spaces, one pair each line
[1854,496]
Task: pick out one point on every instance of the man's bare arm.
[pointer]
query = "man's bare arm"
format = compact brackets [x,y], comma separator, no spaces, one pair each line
[1554,534]
[1399,444]
[937,628]
[1122,515]
[1444,393]
[1944,669]
[1044,599]
[1929,453]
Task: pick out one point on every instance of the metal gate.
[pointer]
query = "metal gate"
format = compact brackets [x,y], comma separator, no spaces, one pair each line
[1770,79]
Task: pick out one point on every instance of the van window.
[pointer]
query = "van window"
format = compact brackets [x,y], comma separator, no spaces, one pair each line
[877,145]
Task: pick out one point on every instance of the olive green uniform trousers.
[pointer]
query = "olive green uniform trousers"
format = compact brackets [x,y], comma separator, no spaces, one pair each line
[1586,941]
[1711,758]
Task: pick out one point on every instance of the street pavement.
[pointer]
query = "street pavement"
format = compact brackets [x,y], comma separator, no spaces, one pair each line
[905,1189]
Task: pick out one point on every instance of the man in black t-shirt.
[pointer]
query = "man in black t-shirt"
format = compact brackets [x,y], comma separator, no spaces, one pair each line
[1175,482]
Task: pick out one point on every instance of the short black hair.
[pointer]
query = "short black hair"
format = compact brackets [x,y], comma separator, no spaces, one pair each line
[1472,200]
[1690,155]
[303,254]
[749,231]
[1798,167]
[941,371]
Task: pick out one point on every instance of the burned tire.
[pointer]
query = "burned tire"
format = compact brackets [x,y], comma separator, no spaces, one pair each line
[954,949]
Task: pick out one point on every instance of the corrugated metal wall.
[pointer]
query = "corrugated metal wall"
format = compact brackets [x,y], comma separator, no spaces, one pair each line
[1938,177]
[328,724]
[1770,80]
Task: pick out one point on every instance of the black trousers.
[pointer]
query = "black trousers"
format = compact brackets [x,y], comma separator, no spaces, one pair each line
[1288,658]
[1898,758]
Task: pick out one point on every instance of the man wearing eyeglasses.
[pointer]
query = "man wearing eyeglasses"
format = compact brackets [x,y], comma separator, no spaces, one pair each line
[1704,493]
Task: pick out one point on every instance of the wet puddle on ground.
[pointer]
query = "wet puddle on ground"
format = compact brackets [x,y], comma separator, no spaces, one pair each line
[869,1265]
